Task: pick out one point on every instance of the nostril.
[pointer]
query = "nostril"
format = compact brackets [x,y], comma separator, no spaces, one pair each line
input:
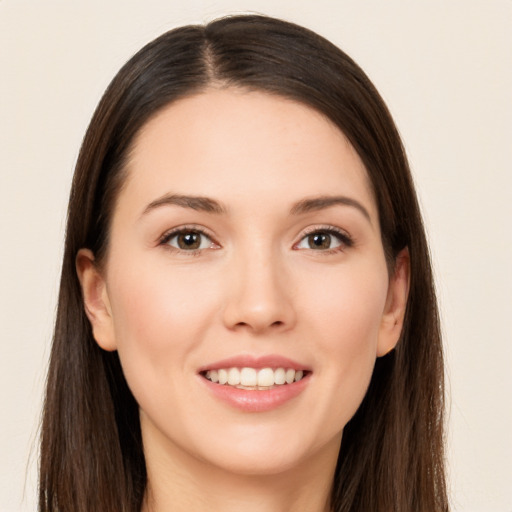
[254,325]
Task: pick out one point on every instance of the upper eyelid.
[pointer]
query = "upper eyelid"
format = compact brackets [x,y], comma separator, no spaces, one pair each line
[164,240]
[170,233]
[326,228]
[336,230]
[344,236]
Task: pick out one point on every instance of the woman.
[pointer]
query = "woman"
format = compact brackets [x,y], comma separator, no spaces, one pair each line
[246,315]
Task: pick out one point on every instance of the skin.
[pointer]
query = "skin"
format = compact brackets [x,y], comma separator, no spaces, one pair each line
[256,286]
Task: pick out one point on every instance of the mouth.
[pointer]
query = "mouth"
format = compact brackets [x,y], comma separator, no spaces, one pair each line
[256,383]
[254,379]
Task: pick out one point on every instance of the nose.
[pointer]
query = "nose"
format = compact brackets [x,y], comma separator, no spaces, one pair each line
[260,295]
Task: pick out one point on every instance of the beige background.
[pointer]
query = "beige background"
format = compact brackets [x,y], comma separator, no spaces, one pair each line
[444,67]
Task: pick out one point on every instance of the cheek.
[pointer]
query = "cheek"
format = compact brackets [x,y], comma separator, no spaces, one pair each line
[347,304]
[346,318]
[154,304]
[159,317]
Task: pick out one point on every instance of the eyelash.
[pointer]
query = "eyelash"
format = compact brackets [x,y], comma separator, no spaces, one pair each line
[345,240]
[169,235]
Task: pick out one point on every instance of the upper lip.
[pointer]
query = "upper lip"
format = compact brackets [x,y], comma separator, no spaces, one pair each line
[257,362]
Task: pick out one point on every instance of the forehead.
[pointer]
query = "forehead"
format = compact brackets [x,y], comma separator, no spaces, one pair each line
[236,146]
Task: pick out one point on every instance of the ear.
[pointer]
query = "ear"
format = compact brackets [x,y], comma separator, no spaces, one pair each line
[96,301]
[396,303]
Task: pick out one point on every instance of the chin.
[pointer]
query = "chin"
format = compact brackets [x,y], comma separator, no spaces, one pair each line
[266,455]
[262,464]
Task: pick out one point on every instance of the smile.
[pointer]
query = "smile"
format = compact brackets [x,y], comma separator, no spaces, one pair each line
[254,379]
[256,383]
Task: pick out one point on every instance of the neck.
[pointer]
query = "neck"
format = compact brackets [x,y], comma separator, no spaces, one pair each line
[181,483]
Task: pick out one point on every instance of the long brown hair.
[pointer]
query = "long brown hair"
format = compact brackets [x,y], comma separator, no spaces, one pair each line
[391,457]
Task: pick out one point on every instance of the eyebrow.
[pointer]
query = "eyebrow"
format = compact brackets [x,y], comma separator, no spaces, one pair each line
[208,205]
[314,204]
[204,204]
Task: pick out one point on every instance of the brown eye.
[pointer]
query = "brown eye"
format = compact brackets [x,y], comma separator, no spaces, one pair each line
[189,241]
[324,240]
[319,241]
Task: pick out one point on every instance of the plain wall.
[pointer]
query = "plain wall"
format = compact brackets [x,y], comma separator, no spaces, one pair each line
[444,68]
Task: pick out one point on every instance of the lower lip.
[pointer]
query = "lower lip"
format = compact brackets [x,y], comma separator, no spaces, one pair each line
[257,400]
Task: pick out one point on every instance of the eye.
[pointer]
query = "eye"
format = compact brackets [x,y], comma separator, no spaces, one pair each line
[188,240]
[324,240]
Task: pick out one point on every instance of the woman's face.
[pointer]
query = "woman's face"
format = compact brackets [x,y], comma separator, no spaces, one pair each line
[246,236]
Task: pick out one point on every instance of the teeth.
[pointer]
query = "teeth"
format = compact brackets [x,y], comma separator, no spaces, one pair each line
[266,377]
[280,376]
[233,376]
[250,378]
[223,376]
